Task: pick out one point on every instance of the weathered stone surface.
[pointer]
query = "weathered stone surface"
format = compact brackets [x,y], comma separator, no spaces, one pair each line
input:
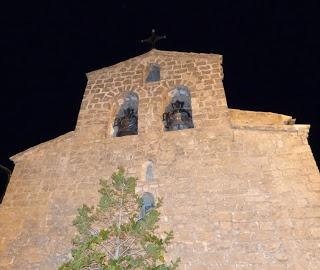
[240,189]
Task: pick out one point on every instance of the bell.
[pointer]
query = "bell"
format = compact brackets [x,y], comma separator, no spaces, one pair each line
[177,117]
[127,124]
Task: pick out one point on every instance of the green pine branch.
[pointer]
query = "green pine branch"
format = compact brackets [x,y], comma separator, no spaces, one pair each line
[112,237]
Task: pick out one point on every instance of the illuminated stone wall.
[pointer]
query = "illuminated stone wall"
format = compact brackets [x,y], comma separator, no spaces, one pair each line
[241,189]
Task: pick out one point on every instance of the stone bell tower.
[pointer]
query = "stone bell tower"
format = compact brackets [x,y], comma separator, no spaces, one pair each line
[240,188]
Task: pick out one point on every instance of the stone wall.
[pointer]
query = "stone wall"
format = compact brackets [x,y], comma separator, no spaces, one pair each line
[201,73]
[238,194]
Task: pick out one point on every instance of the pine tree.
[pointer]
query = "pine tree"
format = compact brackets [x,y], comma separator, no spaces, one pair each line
[116,235]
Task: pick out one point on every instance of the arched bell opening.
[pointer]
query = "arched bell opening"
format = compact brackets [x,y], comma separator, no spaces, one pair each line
[126,120]
[178,113]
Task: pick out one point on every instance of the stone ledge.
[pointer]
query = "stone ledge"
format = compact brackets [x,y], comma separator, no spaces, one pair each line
[244,117]
[265,121]
[300,129]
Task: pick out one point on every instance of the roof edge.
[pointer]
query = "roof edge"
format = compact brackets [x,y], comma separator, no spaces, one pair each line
[15,158]
[153,52]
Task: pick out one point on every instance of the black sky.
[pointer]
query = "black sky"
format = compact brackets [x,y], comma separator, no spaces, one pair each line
[270,49]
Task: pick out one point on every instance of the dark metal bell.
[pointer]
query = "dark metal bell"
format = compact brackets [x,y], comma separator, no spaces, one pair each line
[127,124]
[178,117]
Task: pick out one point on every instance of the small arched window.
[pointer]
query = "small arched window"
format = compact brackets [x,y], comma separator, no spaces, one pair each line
[147,204]
[154,73]
[126,121]
[178,114]
[149,171]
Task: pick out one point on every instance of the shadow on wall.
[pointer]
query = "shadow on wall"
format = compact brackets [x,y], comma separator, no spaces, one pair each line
[5,174]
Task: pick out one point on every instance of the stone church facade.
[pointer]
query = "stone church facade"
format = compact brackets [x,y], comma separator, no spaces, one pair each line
[240,189]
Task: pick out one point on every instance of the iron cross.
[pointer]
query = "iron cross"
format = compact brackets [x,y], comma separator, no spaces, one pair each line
[153,39]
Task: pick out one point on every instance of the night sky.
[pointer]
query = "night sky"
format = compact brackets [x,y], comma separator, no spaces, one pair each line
[270,57]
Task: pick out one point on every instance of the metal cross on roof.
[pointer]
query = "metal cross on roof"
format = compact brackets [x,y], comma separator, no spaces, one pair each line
[153,39]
